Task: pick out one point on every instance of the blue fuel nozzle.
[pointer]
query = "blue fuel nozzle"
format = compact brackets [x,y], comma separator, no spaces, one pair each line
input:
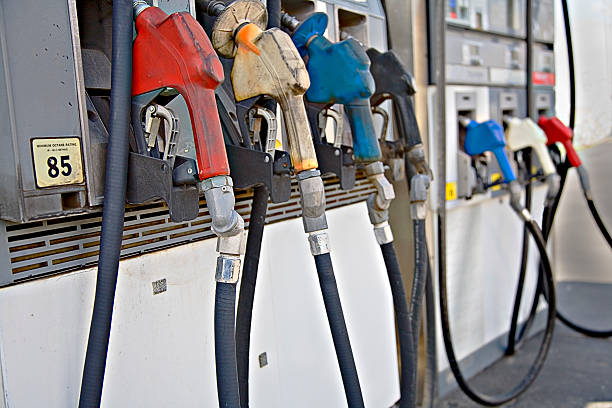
[340,73]
[488,136]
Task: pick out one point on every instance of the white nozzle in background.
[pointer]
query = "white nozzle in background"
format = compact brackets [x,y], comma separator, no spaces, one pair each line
[522,133]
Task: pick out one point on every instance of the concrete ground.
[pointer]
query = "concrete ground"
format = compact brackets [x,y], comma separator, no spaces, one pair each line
[578,370]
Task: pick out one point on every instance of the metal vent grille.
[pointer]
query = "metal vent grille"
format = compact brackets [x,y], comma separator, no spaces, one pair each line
[59,245]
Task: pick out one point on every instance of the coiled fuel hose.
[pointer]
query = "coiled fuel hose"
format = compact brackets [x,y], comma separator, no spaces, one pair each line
[495,400]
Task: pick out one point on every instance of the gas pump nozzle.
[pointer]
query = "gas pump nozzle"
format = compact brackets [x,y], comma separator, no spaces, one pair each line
[523,133]
[557,132]
[393,81]
[173,51]
[339,74]
[267,63]
[489,136]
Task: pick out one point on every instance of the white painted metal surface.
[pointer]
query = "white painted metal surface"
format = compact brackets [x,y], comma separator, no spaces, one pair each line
[161,351]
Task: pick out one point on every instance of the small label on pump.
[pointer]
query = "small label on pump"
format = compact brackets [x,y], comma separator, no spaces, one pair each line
[57,161]
[495,177]
[451,190]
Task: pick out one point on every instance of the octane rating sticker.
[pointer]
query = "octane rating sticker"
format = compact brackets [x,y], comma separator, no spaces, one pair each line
[57,161]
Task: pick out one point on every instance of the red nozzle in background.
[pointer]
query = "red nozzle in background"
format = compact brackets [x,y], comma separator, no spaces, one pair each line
[174,51]
[557,132]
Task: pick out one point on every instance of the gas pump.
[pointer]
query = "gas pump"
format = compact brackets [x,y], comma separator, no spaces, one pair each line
[267,63]
[558,133]
[171,54]
[329,65]
[484,137]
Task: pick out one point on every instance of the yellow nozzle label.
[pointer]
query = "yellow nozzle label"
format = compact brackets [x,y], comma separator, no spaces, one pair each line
[494,178]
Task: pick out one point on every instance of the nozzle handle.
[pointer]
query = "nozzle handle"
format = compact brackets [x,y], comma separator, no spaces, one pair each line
[572,155]
[406,120]
[548,167]
[173,51]
[366,147]
[504,164]
[301,147]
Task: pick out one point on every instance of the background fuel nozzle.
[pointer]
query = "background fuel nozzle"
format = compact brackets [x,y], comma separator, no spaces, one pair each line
[557,132]
[524,133]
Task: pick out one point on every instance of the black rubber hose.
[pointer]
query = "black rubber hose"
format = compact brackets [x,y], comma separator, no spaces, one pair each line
[495,400]
[114,206]
[225,346]
[431,369]
[598,220]
[247,289]
[510,349]
[565,320]
[420,276]
[274,13]
[404,322]
[570,60]
[547,222]
[342,344]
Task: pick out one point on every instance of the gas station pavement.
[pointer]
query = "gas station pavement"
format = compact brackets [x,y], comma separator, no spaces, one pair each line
[578,370]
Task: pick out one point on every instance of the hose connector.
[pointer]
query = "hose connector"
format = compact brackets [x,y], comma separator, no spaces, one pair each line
[553,181]
[312,200]
[514,187]
[227,224]
[585,183]
[379,202]
[139,6]
[383,233]
[319,242]
[416,157]
[289,22]
[419,184]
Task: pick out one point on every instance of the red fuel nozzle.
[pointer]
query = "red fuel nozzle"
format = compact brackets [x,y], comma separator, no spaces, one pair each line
[173,51]
[557,132]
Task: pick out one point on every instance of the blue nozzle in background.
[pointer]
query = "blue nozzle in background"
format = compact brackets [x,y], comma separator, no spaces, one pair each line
[340,73]
[489,136]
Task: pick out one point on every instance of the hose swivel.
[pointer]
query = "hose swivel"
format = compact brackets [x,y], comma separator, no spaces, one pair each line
[312,200]
[553,182]
[227,224]
[319,242]
[383,233]
[514,187]
[419,184]
[416,157]
[139,6]
[379,202]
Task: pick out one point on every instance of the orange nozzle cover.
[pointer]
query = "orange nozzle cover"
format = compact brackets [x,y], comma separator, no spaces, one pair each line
[245,36]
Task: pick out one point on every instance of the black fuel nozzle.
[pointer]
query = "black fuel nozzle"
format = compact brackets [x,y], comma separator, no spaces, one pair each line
[393,81]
